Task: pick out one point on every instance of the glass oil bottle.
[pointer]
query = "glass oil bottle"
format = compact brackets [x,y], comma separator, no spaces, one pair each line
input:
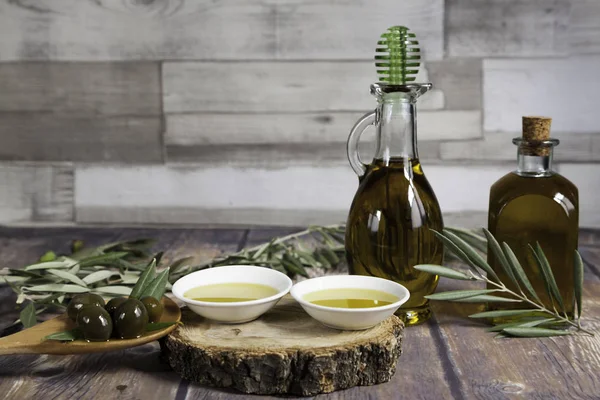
[536,204]
[389,227]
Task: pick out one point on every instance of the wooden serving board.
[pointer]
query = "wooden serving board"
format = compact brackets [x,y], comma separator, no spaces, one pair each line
[284,351]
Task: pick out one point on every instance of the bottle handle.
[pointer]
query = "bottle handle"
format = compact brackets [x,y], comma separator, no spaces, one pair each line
[352,147]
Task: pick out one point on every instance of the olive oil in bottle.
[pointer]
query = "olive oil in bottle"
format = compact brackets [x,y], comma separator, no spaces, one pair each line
[389,227]
[535,204]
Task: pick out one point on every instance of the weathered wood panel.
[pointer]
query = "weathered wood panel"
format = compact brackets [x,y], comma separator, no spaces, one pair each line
[55,137]
[460,81]
[132,373]
[277,155]
[226,129]
[562,367]
[274,87]
[507,28]
[587,179]
[584,26]
[513,88]
[224,194]
[35,193]
[232,29]
[498,146]
[95,89]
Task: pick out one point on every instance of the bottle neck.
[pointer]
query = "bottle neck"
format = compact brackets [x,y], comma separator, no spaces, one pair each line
[396,130]
[534,161]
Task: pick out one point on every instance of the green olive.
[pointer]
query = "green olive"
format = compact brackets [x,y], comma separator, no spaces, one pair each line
[113,304]
[153,307]
[80,300]
[95,323]
[130,319]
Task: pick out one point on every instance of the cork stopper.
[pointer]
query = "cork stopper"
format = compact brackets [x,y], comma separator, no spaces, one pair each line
[536,130]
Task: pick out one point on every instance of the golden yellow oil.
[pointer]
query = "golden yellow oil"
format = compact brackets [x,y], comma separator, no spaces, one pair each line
[230,292]
[350,298]
[389,231]
[525,210]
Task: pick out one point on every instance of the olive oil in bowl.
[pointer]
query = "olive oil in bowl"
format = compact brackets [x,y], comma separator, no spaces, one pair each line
[230,292]
[350,298]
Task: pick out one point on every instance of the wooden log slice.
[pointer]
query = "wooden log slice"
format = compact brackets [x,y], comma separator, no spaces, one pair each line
[284,351]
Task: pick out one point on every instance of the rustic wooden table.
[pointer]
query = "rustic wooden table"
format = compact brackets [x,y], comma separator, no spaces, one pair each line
[448,357]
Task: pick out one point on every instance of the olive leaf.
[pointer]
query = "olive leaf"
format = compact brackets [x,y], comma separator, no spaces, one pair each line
[443,271]
[113,290]
[47,265]
[98,276]
[526,322]
[487,298]
[534,332]
[547,274]
[67,276]
[519,272]
[66,336]
[27,316]
[58,287]
[459,294]
[157,286]
[145,278]
[472,254]
[504,313]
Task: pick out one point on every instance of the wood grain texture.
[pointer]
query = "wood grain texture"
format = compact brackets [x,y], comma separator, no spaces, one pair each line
[312,128]
[538,93]
[133,373]
[584,147]
[231,87]
[81,89]
[36,193]
[562,367]
[283,351]
[179,29]
[584,26]
[507,28]
[251,195]
[55,137]
[460,80]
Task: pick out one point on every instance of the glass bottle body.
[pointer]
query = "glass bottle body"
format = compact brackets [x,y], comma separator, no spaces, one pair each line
[535,204]
[389,227]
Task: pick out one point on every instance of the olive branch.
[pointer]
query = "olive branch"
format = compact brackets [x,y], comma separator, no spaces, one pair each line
[538,320]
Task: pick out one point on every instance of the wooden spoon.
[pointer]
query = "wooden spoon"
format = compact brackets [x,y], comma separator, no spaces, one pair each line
[31,341]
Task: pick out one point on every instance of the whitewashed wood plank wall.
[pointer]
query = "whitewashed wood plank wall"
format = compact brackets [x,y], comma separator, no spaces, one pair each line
[237,111]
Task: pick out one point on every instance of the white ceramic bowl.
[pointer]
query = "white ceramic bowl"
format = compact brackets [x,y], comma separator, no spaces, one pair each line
[349,318]
[235,312]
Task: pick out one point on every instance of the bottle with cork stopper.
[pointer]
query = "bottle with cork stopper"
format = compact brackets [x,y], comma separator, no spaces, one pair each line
[535,204]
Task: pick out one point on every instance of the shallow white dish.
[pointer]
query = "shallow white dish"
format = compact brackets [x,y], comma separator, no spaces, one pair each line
[349,318]
[235,312]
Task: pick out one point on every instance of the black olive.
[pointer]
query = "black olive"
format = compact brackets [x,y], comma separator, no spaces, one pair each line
[130,319]
[153,307]
[95,323]
[113,304]
[80,300]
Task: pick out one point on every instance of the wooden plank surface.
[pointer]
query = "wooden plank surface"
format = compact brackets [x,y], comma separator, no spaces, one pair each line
[233,29]
[81,112]
[35,193]
[134,373]
[499,146]
[538,93]
[485,367]
[507,27]
[93,89]
[448,357]
[54,137]
[283,86]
